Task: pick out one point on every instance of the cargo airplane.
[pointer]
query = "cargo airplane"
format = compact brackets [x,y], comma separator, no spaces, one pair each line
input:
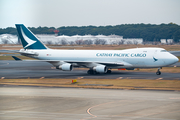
[98,61]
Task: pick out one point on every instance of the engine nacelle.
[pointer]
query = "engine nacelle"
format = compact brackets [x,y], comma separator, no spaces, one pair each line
[65,67]
[100,69]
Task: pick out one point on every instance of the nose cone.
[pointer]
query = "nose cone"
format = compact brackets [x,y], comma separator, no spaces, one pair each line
[176,59]
[170,59]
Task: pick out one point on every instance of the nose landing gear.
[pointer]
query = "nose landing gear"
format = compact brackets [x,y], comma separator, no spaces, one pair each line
[158,71]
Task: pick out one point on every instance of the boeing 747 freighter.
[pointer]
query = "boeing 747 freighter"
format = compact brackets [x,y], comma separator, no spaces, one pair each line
[98,61]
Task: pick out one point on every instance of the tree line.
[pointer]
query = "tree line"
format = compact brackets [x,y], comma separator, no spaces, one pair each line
[149,32]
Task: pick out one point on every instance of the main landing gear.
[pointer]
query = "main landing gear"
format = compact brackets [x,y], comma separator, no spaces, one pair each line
[92,72]
[109,72]
[158,71]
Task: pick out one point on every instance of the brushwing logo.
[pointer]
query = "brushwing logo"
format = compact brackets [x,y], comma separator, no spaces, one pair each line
[28,40]
[155,59]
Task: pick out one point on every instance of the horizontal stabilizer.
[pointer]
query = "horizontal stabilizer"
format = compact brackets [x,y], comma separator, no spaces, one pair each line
[16,58]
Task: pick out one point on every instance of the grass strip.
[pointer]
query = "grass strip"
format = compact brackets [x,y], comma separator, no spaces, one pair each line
[10,57]
[99,83]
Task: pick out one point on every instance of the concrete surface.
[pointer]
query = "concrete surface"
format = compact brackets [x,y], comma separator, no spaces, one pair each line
[46,103]
[26,69]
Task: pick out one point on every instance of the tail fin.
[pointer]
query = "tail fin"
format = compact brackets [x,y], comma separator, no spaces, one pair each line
[28,39]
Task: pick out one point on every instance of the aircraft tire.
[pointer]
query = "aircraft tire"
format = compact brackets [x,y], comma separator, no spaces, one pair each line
[90,72]
[158,73]
[109,72]
[94,72]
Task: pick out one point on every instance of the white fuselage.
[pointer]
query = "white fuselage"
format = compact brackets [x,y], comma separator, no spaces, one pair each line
[130,58]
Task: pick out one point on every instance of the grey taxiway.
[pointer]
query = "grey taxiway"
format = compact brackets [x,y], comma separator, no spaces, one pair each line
[27,69]
[46,103]
[49,103]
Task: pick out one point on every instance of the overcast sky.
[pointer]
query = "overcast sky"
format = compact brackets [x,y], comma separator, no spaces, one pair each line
[57,13]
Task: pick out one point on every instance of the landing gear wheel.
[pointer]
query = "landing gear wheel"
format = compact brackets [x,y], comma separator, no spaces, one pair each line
[90,72]
[109,71]
[158,73]
[94,73]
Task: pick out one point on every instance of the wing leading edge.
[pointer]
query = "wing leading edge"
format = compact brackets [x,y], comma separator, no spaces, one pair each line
[80,63]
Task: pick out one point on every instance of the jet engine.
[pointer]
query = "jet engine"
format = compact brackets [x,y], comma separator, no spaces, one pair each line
[100,69]
[65,67]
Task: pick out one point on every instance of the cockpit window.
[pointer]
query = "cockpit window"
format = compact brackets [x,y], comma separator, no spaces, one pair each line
[163,51]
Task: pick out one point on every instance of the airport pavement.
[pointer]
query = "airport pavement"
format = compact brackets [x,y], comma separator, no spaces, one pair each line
[47,103]
[176,53]
[27,69]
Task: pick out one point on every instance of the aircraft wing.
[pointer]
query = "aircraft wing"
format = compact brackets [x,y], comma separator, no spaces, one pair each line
[97,62]
[90,64]
[80,63]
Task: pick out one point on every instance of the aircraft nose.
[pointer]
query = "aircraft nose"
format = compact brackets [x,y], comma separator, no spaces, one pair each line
[172,59]
[175,59]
